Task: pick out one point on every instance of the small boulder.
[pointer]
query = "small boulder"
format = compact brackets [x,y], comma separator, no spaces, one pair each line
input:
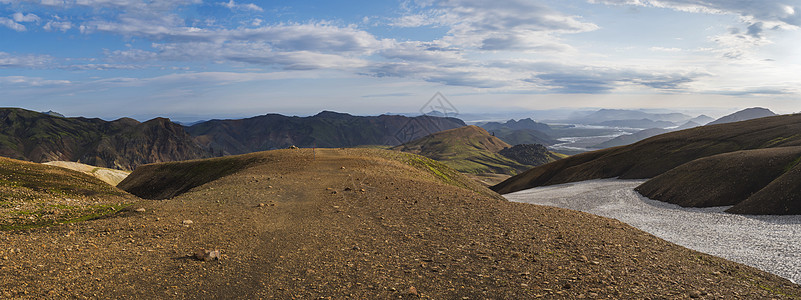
[412,291]
[207,255]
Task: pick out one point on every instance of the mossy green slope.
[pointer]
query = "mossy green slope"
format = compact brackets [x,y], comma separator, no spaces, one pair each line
[468,149]
[34,195]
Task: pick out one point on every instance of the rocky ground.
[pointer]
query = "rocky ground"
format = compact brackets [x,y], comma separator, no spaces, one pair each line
[361,224]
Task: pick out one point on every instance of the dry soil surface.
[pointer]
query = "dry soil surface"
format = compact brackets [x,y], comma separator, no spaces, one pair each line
[351,224]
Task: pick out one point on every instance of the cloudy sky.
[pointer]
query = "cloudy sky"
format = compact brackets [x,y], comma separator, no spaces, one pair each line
[180,58]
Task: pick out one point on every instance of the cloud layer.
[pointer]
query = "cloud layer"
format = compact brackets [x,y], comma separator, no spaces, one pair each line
[507,46]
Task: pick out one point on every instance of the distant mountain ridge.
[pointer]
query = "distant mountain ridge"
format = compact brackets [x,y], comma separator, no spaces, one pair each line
[743,115]
[326,129]
[527,123]
[121,144]
[126,143]
[523,131]
[604,115]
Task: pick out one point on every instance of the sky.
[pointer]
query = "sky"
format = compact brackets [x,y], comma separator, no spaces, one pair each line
[188,59]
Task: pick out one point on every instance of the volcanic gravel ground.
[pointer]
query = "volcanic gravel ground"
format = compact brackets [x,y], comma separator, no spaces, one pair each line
[353,224]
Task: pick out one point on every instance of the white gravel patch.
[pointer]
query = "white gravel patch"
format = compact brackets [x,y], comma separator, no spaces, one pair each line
[769,243]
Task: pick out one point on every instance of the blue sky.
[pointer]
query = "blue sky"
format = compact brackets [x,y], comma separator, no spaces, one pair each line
[197,59]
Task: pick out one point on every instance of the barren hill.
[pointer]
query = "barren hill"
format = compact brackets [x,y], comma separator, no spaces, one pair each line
[728,179]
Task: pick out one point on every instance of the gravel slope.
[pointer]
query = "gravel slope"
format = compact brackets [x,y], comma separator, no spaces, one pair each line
[769,243]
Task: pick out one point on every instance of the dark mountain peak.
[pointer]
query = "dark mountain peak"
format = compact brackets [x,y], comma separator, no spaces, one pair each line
[327,114]
[159,120]
[126,122]
[745,114]
[702,119]
[529,154]
[53,114]
[526,123]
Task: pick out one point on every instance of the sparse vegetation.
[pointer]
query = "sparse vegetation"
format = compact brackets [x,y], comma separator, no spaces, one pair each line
[468,149]
[34,195]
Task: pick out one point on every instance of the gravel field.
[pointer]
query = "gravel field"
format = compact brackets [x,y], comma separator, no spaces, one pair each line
[770,243]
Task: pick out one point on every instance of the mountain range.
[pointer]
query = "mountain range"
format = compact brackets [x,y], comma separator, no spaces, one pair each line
[126,143]
[121,144]
[743,115]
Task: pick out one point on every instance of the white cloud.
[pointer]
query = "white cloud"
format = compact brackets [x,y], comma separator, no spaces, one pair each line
[11,24]
[31,81]
[666,49]
[25,18]
[235,6]
[515,25]
[131,55]
[781,11]
[24,61]
[57,25]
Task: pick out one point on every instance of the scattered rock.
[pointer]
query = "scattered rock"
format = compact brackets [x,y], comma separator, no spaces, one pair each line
[187,222]
[207,255]
[141,209]
[412,291]
[347,189]
[261,204]
[293,147]
[695,294]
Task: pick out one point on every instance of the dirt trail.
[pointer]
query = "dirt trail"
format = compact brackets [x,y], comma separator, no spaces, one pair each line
[354,224]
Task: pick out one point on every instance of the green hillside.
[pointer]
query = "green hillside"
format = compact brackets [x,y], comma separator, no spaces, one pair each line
[468,149]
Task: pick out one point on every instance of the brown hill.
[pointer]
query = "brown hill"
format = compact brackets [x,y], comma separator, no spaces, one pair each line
[469,149]
[781,197]
[364,224]
[656,155]
[723,179]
